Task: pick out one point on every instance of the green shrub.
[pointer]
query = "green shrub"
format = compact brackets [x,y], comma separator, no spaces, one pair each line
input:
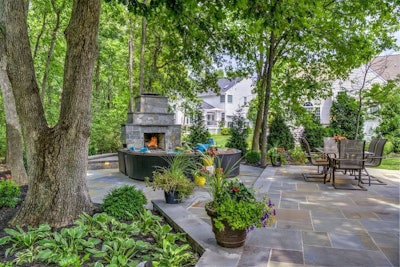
[279,134]
[198,132]
[297,156]
[314,132]
[239,133]
[225,131]
[253,156]
[9,194]
[123,200]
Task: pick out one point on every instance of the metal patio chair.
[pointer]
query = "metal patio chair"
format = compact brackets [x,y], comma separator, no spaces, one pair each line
[374,161]
[350,159]
[315,160]
[330,146]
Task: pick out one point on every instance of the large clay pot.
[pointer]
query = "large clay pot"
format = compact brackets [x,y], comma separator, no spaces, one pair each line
[228,237]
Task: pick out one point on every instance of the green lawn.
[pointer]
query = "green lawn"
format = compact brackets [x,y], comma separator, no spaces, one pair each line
[390,164]
[221,140]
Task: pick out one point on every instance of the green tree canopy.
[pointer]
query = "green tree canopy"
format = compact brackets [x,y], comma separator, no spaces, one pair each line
[344,116]
[386,101]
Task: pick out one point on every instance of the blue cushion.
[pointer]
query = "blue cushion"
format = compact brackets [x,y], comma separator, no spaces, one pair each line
[144,149]
[203,147]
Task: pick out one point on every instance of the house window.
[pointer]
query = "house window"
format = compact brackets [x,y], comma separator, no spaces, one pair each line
[373,110]
[316,110]
[222,98]
[230,98]
[317,113]
[223,116]
[308,106]
[211,119]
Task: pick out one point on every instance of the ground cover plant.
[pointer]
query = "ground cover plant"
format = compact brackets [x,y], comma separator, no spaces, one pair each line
[94,240]
[124,199]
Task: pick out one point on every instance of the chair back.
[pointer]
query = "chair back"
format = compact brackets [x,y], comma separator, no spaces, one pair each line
[307,148]
[351,154]
[330,146]
[376,159]
[372,145]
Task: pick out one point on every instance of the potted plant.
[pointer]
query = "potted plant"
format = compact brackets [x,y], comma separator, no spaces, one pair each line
[172,179]
[277,155]
[234,209]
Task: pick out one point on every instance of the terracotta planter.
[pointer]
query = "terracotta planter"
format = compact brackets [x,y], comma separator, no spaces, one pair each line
[228,237]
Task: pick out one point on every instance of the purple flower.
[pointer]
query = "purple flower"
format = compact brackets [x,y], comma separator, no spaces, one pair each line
[251,228]
[266,215]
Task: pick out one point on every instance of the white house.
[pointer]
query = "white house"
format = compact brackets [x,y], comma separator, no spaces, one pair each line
[378,71]
[219,108]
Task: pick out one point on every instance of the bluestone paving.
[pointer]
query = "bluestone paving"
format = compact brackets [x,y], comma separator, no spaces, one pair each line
[316,225]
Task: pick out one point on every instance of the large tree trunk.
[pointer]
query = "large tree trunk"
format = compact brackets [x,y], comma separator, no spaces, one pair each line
[260,111]
[14,157]
[56,157]
[268,84]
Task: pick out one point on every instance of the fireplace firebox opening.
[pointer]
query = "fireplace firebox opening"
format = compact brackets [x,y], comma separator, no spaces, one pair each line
[154,140]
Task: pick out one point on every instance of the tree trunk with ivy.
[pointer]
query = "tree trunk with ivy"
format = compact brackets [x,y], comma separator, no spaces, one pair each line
[56,156]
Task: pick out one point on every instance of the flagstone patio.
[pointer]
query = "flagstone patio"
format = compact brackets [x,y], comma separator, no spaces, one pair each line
[316,225]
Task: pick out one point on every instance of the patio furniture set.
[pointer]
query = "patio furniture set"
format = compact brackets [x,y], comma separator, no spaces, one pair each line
[349,157]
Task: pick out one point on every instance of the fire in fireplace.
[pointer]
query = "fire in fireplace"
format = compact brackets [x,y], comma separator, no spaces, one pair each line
[154,140]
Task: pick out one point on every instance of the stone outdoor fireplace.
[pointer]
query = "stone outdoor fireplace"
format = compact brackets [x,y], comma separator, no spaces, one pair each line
[151,125]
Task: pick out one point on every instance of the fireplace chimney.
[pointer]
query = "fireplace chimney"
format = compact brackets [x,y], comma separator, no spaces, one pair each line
[151,118]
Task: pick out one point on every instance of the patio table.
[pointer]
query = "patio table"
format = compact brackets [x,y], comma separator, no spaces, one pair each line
[332,153]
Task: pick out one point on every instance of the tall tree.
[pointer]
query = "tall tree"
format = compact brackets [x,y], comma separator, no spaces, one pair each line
[46,21]
[56,156]
[14,156]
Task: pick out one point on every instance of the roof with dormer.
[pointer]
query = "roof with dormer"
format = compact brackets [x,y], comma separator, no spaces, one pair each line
[226,84]
[205,105]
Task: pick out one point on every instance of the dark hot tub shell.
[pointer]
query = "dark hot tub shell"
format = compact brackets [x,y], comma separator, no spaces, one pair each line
[139,165]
